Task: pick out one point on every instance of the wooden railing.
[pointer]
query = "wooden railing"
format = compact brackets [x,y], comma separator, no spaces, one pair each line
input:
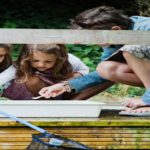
[64,36]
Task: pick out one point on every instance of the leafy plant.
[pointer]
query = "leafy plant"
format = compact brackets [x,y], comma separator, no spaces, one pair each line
[89,54]
[120,90]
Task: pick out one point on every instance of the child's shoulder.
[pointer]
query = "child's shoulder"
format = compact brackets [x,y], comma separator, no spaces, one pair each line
[139,18]
[11,70]
[140,22]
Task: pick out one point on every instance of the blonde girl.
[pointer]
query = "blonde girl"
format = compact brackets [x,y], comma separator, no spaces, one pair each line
[42,65]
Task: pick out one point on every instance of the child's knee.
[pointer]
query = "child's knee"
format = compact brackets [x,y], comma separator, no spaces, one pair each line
[107,69]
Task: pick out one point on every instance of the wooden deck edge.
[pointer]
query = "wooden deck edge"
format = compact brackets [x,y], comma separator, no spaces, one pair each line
[101,123]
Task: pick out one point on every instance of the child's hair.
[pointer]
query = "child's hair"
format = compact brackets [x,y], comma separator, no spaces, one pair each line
[7,58]
[102,18]
[62,69]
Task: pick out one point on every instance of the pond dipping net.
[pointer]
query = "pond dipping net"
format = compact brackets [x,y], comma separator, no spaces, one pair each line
[47,141]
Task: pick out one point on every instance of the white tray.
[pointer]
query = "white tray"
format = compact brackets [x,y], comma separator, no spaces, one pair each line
[44,108]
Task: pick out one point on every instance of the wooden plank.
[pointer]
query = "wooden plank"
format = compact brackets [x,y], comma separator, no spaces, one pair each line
[14,143]
[115,143]
[122,147]
[79,130]
[85,142]
[80,122]
[16,147]
[95,137]
[64,36]
[95,147]
[81,139]
[118,136]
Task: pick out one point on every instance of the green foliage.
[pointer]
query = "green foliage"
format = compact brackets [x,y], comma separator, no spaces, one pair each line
[15,52]
[144,7]
[52,14]
[89,54]
[9,24]
[120,90]
[132,91]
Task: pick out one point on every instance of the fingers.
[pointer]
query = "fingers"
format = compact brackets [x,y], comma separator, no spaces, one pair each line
[43,90]
[52,91]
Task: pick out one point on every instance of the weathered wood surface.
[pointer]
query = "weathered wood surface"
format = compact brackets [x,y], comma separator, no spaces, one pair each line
[107,133]
[64,36]
[95,137]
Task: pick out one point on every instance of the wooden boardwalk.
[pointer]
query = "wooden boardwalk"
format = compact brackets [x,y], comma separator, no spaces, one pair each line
[110,131]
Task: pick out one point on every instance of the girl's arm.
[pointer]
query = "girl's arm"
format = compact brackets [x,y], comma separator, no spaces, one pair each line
[76,84]
[78,66]
[7,75]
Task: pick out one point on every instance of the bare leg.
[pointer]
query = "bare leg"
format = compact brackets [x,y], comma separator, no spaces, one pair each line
[142,70]
[140,67]
[118,72]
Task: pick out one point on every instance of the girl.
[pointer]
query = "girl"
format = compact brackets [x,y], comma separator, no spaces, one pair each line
[41,65]
[5,60]
[5,56]
[111,68]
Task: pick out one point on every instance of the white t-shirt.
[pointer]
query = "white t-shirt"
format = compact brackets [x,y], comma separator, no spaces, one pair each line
[78,66]
[7,75]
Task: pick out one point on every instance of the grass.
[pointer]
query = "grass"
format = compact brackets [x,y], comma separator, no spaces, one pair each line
[117,92]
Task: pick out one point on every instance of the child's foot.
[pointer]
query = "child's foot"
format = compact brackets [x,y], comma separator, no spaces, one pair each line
[138,110]
[133,102]
[143,103]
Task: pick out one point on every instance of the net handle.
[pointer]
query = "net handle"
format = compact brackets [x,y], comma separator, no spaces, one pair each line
[37,128]
[23,122]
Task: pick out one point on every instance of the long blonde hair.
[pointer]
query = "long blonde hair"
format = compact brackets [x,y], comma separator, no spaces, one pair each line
[62,69]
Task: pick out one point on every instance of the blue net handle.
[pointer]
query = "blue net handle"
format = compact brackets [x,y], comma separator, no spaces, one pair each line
[81,146]
[23,122]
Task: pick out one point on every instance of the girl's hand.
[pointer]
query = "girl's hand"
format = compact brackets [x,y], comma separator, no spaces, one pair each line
[53,91]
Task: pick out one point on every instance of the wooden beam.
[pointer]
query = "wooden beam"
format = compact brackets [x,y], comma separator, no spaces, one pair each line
[64,36]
